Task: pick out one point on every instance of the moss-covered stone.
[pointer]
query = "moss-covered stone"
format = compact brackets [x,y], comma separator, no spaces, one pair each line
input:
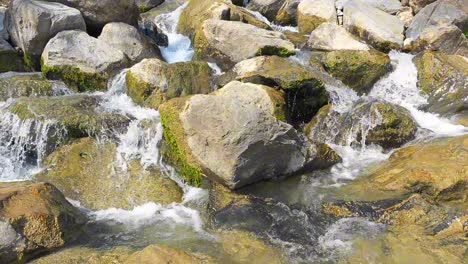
[14,85]
[9,58]
[273,50]
[360,70]
[77,79]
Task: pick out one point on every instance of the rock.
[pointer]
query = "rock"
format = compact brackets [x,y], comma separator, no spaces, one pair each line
[98,13]
[358,69]
[405,14]
[444,79]
[235,135]
[80,254]
[312,13]
[229,42]
[268,8]
[166,7]
[330,36]
[417,5]
[35,218]
[77,169]
[132,43]
[439,26]
[3,30]
[44,21]
[304,88]
[198,11]
[297,38]
[379,29]
[164,254]
[10,60]
[78,114]
[82,62]
[148,28]
[387,125]
[14,85]
[287,14]
[152,81]
[388,6]
[146,5]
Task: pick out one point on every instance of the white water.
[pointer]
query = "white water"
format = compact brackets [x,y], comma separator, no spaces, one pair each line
[180,47]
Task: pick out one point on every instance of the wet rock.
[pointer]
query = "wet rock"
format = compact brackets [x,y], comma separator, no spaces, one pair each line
[148,28]
[360,70]
[90,172]
[145,5]
[164,254]
[312,13]
[98,13]
[78,114]
[81,61]
[74,255]
[287,14]
[329,36]
[304,88]
[132,43]
[229,42]
[10,60]
[152,82]
[14,85]
[376,27]
[3,30]
[44,21]
[370,122]
[443,78]
[268,8]
[35,218]
[235,135]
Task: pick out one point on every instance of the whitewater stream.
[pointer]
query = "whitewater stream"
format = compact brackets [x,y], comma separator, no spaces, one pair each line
[183,225]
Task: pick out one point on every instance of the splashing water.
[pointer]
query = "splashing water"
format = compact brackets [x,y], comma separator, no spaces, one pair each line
[180,47]
[275,27]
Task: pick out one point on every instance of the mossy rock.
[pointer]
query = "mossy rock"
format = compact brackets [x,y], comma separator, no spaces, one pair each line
[77,79]
[9,58]
[14,85]
[89,172]
[360,70]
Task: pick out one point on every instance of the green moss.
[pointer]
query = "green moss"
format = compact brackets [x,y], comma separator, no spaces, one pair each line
[178,152]
[144,9]
[138,90]
[277,98]
[274,50]
[385,46]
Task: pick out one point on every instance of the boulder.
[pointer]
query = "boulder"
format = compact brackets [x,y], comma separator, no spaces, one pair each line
[236,135]
[146,5]
[405,14]
[439,26]
[152,81]
[312,13]
[81,61]
[130,41]
[304,88]
[443,79]
[376,27]
[417,5]
[44,21]
[164,254]
[3,30]
[287,14]
[386,125]
[268,8]
[35,218]
[388,6]
[10,60]
[77,169]
[229,42]
[358,69]
[98,13]
[14,85]
[330,36]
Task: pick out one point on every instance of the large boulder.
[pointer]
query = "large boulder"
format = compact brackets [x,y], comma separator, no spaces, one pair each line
[81,61]
[417,5]
[130,41]
[444,79]
[10,60]
[3,30]
[387,125]
[44,21]
[439,26]
[152,81]
[77,169]
[330,36]
[14,85]
[229,42]
[287,14]
[304,88]
[376,27]
[312,13]
[35,218]
[388,6]
[97,13]
[358,69]
[236,135]
[146,5]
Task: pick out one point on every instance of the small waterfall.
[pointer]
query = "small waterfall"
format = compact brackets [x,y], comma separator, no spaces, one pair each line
[265,20]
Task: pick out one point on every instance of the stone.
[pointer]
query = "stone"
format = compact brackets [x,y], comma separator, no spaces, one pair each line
[44,21]
[417,5]
[10,60]
[304,88]
[13,85]
[448,39]
[229,42]
[35,218]
[312,13]
[358,69]
[152,81]
[443,79]
[287,14]
[388,6]
[164,254]
[268,8]
[146,5]
[236,135]
[329,36]
[376,27]
[387,125]
[77,169]
[132,43]
[81,61]
[405,14]
[3,30]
